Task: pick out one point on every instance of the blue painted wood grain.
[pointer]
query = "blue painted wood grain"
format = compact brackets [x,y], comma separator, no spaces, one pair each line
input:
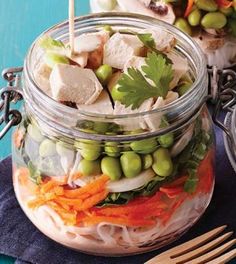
[21,21]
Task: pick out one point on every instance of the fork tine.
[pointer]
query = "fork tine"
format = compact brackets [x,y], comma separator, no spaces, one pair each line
[192,244]
[226,257]
[203,249]
[214,253]
[186,247]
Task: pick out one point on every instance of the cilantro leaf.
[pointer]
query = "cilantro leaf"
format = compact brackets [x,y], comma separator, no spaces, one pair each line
[149,42]
[163,74]
[137,88]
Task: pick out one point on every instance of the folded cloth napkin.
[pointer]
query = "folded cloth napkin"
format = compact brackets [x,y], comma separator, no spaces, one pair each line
[20,239]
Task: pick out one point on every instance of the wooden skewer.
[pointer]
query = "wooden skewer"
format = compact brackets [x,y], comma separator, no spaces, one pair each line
[72,24]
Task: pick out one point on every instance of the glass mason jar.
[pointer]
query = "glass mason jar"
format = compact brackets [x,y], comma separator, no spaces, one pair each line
[160,163]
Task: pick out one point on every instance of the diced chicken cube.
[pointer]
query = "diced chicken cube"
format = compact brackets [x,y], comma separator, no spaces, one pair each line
[165,41]
[87,43]
[41,75]
[154,120]
[81,58]
[89,49]
[134,42]
[180,67]
[102,105]
[135,62]
[171,97]
[134,122]
[90,41]
[74,84]
[120,48]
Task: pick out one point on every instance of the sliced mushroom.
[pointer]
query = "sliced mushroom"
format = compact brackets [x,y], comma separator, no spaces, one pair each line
[139,7]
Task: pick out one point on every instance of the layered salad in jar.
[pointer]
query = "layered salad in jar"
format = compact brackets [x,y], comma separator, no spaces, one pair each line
[115,197]
[212,23]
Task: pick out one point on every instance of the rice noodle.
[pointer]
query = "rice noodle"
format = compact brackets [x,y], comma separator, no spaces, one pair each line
[111,238]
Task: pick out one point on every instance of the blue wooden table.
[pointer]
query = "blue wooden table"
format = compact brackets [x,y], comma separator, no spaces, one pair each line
[21,21]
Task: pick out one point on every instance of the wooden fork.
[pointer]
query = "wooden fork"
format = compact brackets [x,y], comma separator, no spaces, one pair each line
[199,250]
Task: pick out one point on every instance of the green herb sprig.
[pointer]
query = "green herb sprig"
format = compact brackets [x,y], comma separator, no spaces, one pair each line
[137,88]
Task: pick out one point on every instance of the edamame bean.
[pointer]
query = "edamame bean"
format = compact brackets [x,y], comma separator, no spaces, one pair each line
[89,167]
[131,164]
[108,29]
[101,127]
[34,133]
[207,5]
[183,25]
[104,73]
[107,5]
[111,167]
[227,11]
[165,140]
[51,59]
[215,20]
[89,149]
[147,161]
[144,146]
[183,88]
[116,94]
[162,163]
[194,17]
[47,148]
[112,149]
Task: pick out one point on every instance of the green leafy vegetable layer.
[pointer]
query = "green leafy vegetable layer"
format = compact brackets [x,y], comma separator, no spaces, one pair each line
[35,174]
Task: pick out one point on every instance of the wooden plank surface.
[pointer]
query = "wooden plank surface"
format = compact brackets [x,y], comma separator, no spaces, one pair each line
[21,21]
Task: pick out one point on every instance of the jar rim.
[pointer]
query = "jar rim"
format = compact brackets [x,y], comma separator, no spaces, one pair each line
[200,75]
[196,94]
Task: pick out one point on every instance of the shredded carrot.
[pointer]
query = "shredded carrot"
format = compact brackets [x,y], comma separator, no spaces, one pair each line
[69,217]
[93,200]
[72,202]
[76,176]
[172,192]
[117,220]
[91,188]
[206,173]
[141,209]
[224,3]
[189,8]
[17,138]
[58,190]
[49,186]
[23,175]
[36,202]
[180,181]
